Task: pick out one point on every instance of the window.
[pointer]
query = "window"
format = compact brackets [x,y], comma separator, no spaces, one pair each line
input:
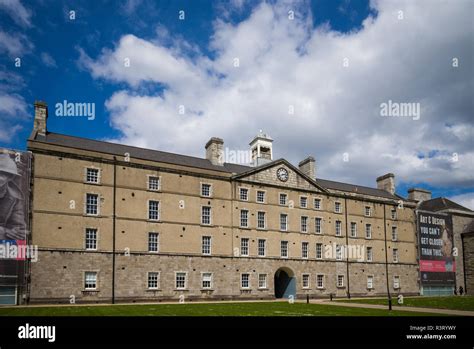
[283,222]
[370,282]
[318,225]
[206,280]
[153,280]
[92,175]
[90,280]
[283,199]
[153,183]
[317,204]
[153,210]
[91,239]
[206,245]
[206,215]
[245,281]
[337,207]
[368,211]
[244,247]
[304,250]
[320,281]
[261,222]
[353,229]
[206,190]
[284,249]
[261,248]
[305,280]
[396,282]
[319,251]
[369,254]
[262,280]
[244,218]
[395,255]
[304,224]
[338,228]
[92,204]
[260,196]
[368,231]
[303,202]
[180,281]
[244,194]
[340,281]
[394,213]
[153,242]
[338,252]
[394,234]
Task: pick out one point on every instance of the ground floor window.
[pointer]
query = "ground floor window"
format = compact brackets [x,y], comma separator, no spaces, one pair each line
[180,280]
[245,281]
[320,281]
[206,280]
[153,280]
[305,280]
[262,280]
[90,280]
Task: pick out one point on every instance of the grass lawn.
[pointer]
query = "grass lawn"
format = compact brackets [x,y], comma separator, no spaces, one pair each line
[452,302]
[209,309]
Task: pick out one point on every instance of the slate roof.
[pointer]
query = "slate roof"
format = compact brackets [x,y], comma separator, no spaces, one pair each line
[353,188]
[439,204]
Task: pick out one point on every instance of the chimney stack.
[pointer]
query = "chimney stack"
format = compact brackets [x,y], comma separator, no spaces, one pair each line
[387,183]
[418,194]
[41,117]
[215,151]
[308,167]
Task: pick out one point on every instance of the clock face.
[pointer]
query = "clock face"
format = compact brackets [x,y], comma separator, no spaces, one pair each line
[282,174]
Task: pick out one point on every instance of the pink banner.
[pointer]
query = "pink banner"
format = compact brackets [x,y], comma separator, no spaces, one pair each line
[437,266]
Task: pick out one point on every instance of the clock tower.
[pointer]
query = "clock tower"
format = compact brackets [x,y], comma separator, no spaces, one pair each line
[261,148]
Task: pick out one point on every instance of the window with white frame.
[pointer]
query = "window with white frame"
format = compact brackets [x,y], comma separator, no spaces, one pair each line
[261,221]
[245,280]
[304,224]
[320,281]
[153,242]
[92,204]
[260,196]
[92,175]
[153,210]
[317,204]
[369,254]
[206,215]
[262,280]
[396,282]
[368,231]
[283,222]
[393,213]
[353,229]
[262,247]
[206,280]
[338,252]
[340,281]
[368,211]
[181,280]
[206,190]
[337,207]
[395,255]
[90,280]
[283,199]
[304,250]
[370,282]
[318,225]
[91,239]
[338,228]
[305,280]
[303,202]
[153,280]
[244,246]
[284,249]
[244,194]
[244,218]
[206,245]
[319,251]
[394,234]
[153,183]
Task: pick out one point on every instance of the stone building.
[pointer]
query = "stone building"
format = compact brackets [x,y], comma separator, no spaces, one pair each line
[121,223]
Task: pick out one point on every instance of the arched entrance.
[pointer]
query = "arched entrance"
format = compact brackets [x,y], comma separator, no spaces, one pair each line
[285,283]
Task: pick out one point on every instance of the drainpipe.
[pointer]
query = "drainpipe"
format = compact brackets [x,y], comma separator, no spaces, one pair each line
[113,230]
[347,249]
[386,257]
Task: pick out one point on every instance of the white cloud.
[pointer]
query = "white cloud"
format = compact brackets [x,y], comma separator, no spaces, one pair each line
[466,200]
[15,45]
[287,63]
[19,13]
[13,109]
[48,60]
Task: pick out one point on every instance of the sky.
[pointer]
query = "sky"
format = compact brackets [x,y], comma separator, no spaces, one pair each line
[314,75]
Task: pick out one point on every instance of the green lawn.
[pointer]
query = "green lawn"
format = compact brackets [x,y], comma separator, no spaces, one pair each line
[453,302]
[209,309]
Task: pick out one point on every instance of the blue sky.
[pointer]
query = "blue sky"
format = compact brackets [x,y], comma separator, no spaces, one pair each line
[283,63]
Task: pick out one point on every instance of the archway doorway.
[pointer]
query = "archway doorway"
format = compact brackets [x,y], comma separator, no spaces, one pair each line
[285,283]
